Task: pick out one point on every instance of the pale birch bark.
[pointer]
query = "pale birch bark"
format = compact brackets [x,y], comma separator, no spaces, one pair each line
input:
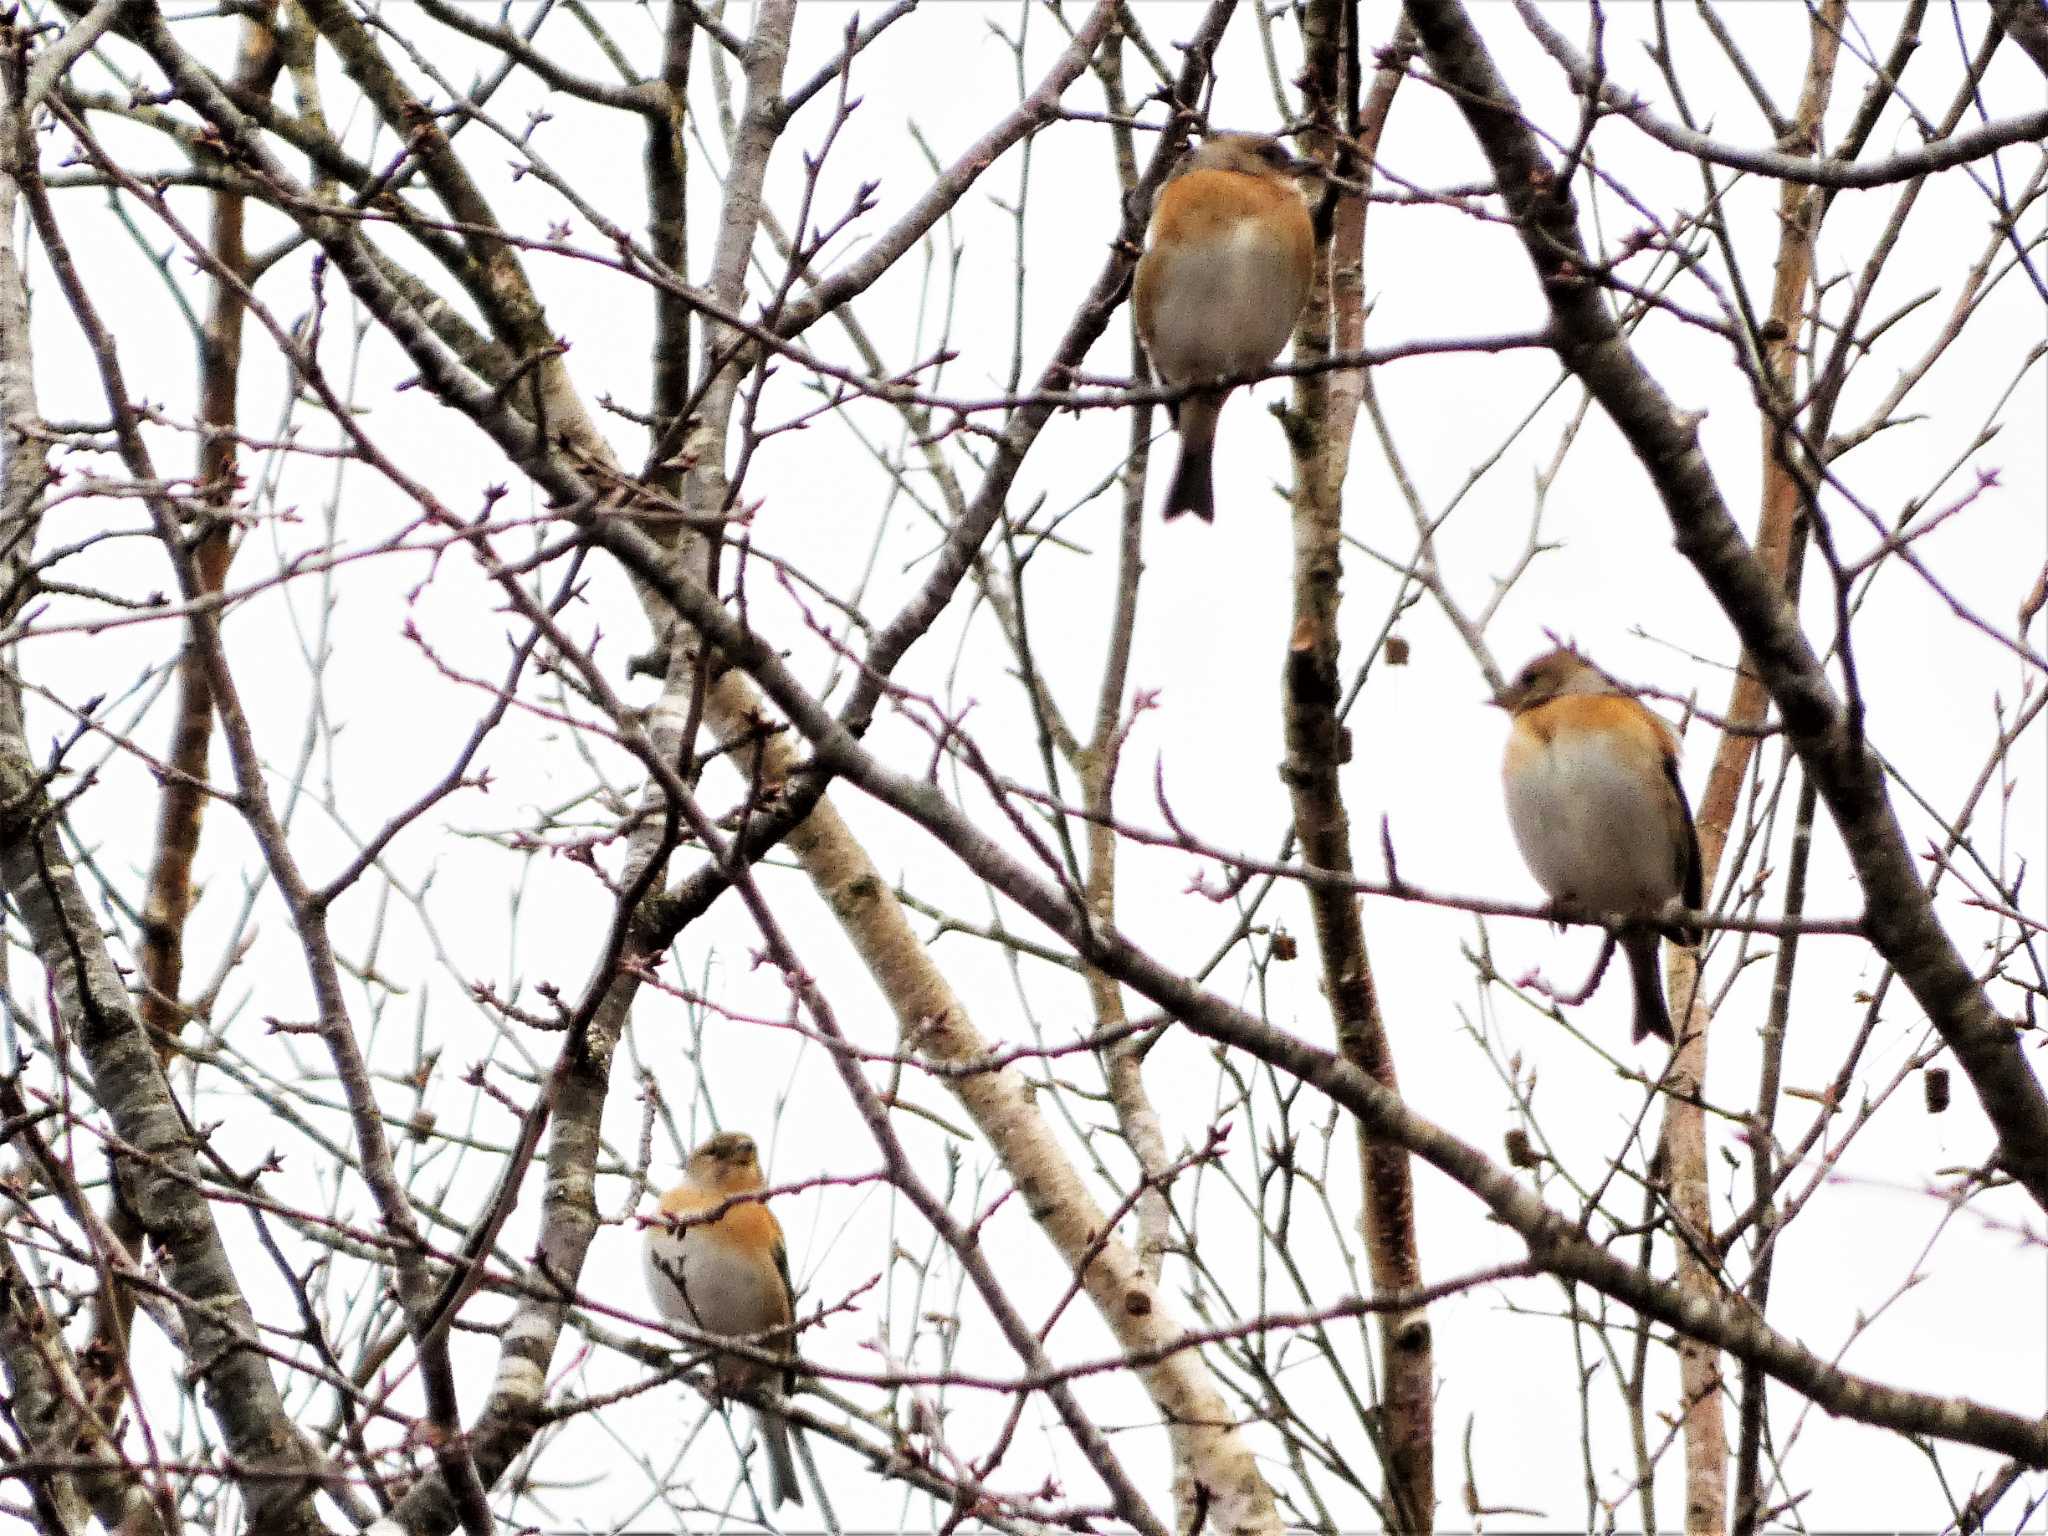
[483,346]
[91,1002]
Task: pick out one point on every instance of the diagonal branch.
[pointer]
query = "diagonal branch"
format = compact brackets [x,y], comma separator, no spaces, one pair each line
[1555,1241]
[1812,170]
[1901,922]
[90,1001]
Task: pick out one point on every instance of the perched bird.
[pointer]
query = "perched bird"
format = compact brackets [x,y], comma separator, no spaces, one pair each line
[730,1275]
[1594,798]
[1222,281]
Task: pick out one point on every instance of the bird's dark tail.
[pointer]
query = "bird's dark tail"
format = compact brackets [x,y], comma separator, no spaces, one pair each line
[1652,1016]
[783,1487]
[1193,489]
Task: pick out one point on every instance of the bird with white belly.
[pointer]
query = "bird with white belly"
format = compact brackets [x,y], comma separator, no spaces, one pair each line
[1223,278]
[1596,804]
[716,1263]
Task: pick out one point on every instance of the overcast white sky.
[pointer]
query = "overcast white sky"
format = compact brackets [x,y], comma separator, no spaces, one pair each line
[1212,633]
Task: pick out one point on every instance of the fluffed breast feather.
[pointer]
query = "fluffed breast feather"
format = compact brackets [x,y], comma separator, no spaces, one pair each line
[1236,253]
[1536,728]
[748,1223]
[1597,807]
[1202,205]
[728,1276]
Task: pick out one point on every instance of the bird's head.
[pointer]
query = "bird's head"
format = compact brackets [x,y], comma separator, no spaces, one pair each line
[728,1163]
[1550,676]
[1249,154]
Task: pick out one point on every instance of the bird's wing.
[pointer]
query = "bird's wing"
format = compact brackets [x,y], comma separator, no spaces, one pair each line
[789,1297]
[1693,873]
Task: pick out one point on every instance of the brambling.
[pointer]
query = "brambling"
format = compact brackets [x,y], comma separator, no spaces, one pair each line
[1222,281]
[1597,807]
[730,1276]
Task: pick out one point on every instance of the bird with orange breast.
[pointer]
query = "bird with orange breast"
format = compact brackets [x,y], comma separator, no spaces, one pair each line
[1596,804]
[1223,279]
[728,1275]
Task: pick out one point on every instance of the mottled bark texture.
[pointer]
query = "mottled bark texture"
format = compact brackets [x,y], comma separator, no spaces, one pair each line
[1318,744]
[183,795]
[153,1155]
[43,1393]
[156,1162]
